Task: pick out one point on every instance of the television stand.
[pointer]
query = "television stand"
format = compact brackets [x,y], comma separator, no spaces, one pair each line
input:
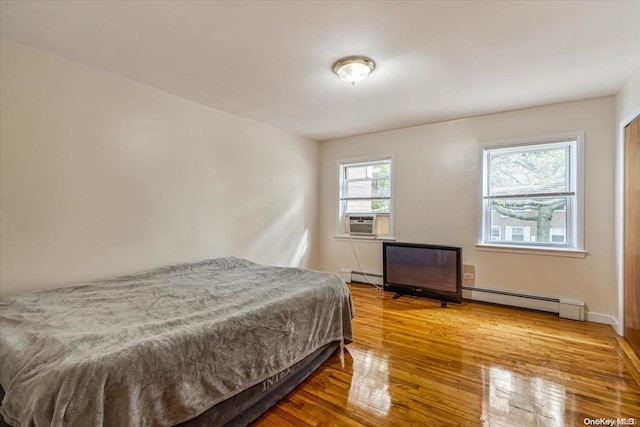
[396,296]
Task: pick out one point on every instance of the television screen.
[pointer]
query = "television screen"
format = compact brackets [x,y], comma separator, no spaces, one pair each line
[426,270]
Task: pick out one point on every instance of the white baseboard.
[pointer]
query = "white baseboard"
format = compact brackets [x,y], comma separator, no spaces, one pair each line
[602,318]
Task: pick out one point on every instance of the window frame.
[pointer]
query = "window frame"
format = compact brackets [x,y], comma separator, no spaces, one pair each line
[574,212]
[342,164]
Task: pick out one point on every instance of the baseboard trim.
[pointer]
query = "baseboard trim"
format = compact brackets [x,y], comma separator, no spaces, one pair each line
[607,319]
[631,359]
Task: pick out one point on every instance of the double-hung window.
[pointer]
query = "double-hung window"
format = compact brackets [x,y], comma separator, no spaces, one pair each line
[365,190]
[532,193]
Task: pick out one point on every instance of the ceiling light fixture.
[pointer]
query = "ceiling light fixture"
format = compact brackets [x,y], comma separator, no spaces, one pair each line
[354,69]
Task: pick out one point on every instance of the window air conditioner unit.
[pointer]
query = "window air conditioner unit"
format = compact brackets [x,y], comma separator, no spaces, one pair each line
[364,225]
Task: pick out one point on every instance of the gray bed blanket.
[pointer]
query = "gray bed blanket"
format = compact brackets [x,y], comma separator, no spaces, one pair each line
[161,347]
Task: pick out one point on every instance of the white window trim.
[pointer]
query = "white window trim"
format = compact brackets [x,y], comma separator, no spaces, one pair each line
[340,227]
[532,250]
[578,250]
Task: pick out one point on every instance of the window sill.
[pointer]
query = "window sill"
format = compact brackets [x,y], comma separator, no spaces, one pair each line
[372,239]
[569,253]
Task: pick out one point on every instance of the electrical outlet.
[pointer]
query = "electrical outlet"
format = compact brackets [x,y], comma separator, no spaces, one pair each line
[469,274]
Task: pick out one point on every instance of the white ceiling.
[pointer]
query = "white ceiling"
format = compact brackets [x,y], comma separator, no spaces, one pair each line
[271,60]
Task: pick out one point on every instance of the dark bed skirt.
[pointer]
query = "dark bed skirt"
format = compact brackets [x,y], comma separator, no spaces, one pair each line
[248,405]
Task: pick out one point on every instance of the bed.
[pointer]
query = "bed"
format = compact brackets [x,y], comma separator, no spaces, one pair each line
[210,343]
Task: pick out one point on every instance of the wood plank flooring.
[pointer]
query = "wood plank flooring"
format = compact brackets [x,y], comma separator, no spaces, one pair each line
[414,363]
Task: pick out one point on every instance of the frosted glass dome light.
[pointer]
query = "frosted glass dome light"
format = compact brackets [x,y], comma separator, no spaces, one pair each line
[354,69]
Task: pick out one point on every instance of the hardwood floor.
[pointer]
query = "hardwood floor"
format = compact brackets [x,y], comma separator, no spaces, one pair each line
[414,363]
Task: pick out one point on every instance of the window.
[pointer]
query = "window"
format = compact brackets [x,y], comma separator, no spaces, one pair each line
[532,190]
[365,188]
[495,232]
[517,234]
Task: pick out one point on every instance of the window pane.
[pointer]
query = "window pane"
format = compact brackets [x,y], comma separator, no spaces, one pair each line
[355,172]
[379,171]
[529,220]
[529,171]
[373,188]
[376,170]
[367,206]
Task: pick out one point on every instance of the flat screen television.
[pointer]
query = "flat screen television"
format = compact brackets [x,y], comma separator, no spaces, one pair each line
[431,271]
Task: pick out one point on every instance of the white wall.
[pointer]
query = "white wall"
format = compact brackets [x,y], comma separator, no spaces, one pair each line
[628,97]
[627,107]
[103,176]
[435,185]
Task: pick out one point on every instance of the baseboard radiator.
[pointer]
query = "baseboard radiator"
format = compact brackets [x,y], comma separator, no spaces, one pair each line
[568,309]
[362,277]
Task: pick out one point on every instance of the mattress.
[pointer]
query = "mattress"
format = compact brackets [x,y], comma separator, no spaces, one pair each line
[243,408]
[162,347]
[248,405]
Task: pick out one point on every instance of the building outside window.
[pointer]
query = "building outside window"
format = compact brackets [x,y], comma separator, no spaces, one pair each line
[557,235]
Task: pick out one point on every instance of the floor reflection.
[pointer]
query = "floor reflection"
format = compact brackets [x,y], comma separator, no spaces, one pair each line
[510,399]
[370,385]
